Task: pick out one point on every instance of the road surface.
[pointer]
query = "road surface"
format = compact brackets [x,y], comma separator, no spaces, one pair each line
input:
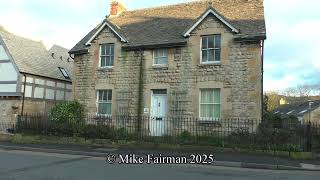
[21,165]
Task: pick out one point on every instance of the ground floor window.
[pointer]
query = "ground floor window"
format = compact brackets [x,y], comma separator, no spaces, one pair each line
[210,104]
[104,100]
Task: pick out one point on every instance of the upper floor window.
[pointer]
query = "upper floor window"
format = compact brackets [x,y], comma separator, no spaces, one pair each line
[104,100]
[8,72]
[210,104]
[3,54]
[211,49]
[29,79]
[39,81]
[160,57]
[106,55]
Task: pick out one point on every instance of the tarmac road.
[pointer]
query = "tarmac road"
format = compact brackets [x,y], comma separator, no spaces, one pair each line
[22,165]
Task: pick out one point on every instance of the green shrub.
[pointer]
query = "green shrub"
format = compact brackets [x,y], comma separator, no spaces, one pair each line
[67,112]
[121,134]
[277,121]
[316,142]
[239,138]
[210,140]
[185,137]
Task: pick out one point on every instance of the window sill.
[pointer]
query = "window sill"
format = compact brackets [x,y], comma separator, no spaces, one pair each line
[210,122]
[209,64]
[164,67]
[103,117]
[105,69]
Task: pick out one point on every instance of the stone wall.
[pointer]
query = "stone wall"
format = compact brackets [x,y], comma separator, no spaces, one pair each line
[238,75]
[9,108]
[38,106]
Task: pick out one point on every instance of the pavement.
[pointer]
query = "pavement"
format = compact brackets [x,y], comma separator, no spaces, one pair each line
[31,165]
[225,159]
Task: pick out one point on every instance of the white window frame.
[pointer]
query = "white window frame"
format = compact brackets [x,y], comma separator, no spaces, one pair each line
[34,92]
[56,94]
[208,118]
[211,62]
[46,93]
[31,91]
[100,55]
[163,56]
[97,102]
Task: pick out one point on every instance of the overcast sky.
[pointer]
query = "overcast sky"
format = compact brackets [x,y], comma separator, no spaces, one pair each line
[293,30]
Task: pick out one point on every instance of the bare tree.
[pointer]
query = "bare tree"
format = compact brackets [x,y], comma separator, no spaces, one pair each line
[273,100]
[304,90]
[290,92]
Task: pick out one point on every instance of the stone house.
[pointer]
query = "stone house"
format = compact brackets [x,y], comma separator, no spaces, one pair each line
[305,111]
[201,59]
[32,78]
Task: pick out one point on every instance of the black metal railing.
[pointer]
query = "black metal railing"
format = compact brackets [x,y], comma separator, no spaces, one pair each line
[229,132]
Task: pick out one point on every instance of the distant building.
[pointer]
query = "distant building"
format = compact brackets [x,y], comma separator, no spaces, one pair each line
[307,111]
[283,101]
[32,78]
[295,99]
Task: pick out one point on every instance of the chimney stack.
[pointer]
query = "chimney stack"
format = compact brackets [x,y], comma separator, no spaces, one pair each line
[117,7]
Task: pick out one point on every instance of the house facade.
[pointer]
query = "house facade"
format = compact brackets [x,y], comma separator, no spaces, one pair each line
[32,78]
[201,59]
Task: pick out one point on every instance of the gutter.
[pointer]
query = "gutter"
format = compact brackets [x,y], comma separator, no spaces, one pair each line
[140,90]
[251,38]
[154,46]
[262,74]
[54,79]
[138,47]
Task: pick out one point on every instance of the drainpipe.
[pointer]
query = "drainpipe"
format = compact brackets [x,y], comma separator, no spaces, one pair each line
[262,73]
[24,92]
[140,90]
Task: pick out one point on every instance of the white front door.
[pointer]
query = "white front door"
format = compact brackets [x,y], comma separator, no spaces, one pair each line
[158,114]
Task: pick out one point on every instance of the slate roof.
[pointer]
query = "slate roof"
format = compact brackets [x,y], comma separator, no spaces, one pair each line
[166,24]
[297,109]
[32,57]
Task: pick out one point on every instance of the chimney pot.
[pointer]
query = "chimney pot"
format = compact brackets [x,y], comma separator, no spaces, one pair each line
[117,7]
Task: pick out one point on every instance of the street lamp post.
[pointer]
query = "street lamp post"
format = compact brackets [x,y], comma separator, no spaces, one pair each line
[310,105]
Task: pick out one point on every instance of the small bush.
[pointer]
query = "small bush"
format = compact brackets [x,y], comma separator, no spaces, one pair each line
[210,140]
[185,137]
[67,112]
[121,134]
[239,138]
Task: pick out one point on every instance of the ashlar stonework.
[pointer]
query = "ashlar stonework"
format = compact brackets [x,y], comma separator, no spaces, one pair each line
[238,75]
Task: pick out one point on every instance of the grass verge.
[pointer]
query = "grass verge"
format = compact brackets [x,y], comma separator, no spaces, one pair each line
[105,143]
